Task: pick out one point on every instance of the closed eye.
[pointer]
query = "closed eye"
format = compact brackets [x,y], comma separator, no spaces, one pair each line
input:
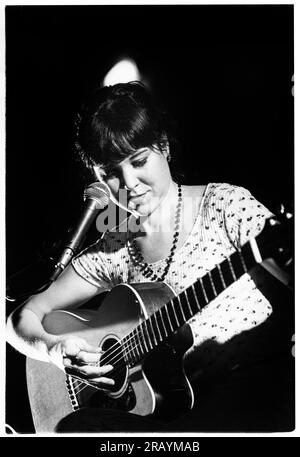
[113,172]
[139,163]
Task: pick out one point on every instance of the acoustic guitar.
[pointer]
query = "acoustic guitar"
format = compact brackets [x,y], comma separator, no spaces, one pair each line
[143,332]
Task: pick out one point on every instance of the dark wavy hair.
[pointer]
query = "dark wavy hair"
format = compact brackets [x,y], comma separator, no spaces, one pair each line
[117,120]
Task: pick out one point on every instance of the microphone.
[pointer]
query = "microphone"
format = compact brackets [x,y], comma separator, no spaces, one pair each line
[96,198]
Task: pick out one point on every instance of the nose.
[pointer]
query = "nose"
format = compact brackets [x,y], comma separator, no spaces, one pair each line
[129,178]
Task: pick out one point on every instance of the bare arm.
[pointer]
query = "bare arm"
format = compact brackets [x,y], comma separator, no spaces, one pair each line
[26,333]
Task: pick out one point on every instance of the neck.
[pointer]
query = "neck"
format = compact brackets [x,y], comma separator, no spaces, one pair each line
[159,218]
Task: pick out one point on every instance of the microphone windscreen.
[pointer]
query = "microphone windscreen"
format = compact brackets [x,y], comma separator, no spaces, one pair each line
[98,192]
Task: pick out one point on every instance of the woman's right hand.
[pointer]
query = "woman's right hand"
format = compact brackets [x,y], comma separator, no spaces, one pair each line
[80,359]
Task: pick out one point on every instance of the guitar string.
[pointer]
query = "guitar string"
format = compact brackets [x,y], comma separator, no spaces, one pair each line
[141,332]
[87,384]
[129,349]
[116,368]
[119,351]
[118,346]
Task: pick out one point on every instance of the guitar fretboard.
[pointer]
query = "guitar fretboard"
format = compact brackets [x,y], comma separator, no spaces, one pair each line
[158,327]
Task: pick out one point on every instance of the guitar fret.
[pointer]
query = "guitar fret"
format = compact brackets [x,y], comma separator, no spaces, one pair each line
[212,284]
[162,320]
[140,347]
[180,316]
[192,301]
[129,349]
[166,319]
[168,314]
[129,353]
[152,330]
[227,272]
[196,298]
[231,269]
[181,309]
[157,326]
[203,290]
[221,276]
[242,261]
[150,334]
[131,340]
[135,347]
[175,314]
[142,339]
[161,325]
[172,315]
[217,279]
[125,351]
[201,298]
[188,302]
[146,336]
[208,287]
[185,304]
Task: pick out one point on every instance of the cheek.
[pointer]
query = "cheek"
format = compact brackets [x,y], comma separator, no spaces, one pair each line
[113,185]
[162,173]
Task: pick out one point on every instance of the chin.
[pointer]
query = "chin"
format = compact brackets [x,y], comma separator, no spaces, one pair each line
[142,211]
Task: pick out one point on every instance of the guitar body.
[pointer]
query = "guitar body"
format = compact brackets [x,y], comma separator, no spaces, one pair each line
[143,331]
[156,386]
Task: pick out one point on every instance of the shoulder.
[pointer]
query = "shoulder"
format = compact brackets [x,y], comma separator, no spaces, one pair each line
[213,189]
[226,193]
[222,197]
[219,193]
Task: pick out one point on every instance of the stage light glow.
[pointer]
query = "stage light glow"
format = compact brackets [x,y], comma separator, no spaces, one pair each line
[124,71]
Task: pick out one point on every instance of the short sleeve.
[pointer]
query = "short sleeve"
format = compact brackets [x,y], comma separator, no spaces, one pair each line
[244,216]
[90,264]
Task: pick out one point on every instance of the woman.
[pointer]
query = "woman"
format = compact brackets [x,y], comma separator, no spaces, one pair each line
[183,233]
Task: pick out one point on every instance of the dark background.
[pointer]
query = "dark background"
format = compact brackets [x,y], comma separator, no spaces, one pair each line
[223,72]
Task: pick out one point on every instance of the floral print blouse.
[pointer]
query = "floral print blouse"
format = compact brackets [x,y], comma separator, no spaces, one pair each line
[228,216]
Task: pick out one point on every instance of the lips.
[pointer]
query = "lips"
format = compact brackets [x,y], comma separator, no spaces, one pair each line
[137,198]
[134,197]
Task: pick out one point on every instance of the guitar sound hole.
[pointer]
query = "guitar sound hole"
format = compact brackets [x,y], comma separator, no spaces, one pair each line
[113,355]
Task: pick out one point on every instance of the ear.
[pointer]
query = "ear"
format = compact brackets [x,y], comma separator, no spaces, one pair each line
[166,150]
[99,172]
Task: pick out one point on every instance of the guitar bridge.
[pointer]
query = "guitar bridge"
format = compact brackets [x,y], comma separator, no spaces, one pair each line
[88,396]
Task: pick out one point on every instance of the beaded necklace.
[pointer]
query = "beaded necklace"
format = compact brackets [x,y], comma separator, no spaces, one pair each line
[138,258]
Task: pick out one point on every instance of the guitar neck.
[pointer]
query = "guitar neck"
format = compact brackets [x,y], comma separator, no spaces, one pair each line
[158,327]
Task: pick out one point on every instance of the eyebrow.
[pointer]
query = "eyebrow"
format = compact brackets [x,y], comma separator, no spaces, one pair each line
[135,154]
[110,167]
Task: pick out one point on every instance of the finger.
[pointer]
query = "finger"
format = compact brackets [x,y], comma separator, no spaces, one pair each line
[90,370]
[89,348]
[102,380]
[88,357]
[67,362]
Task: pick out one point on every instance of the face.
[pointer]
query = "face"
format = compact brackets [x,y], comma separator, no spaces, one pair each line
[146,177]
